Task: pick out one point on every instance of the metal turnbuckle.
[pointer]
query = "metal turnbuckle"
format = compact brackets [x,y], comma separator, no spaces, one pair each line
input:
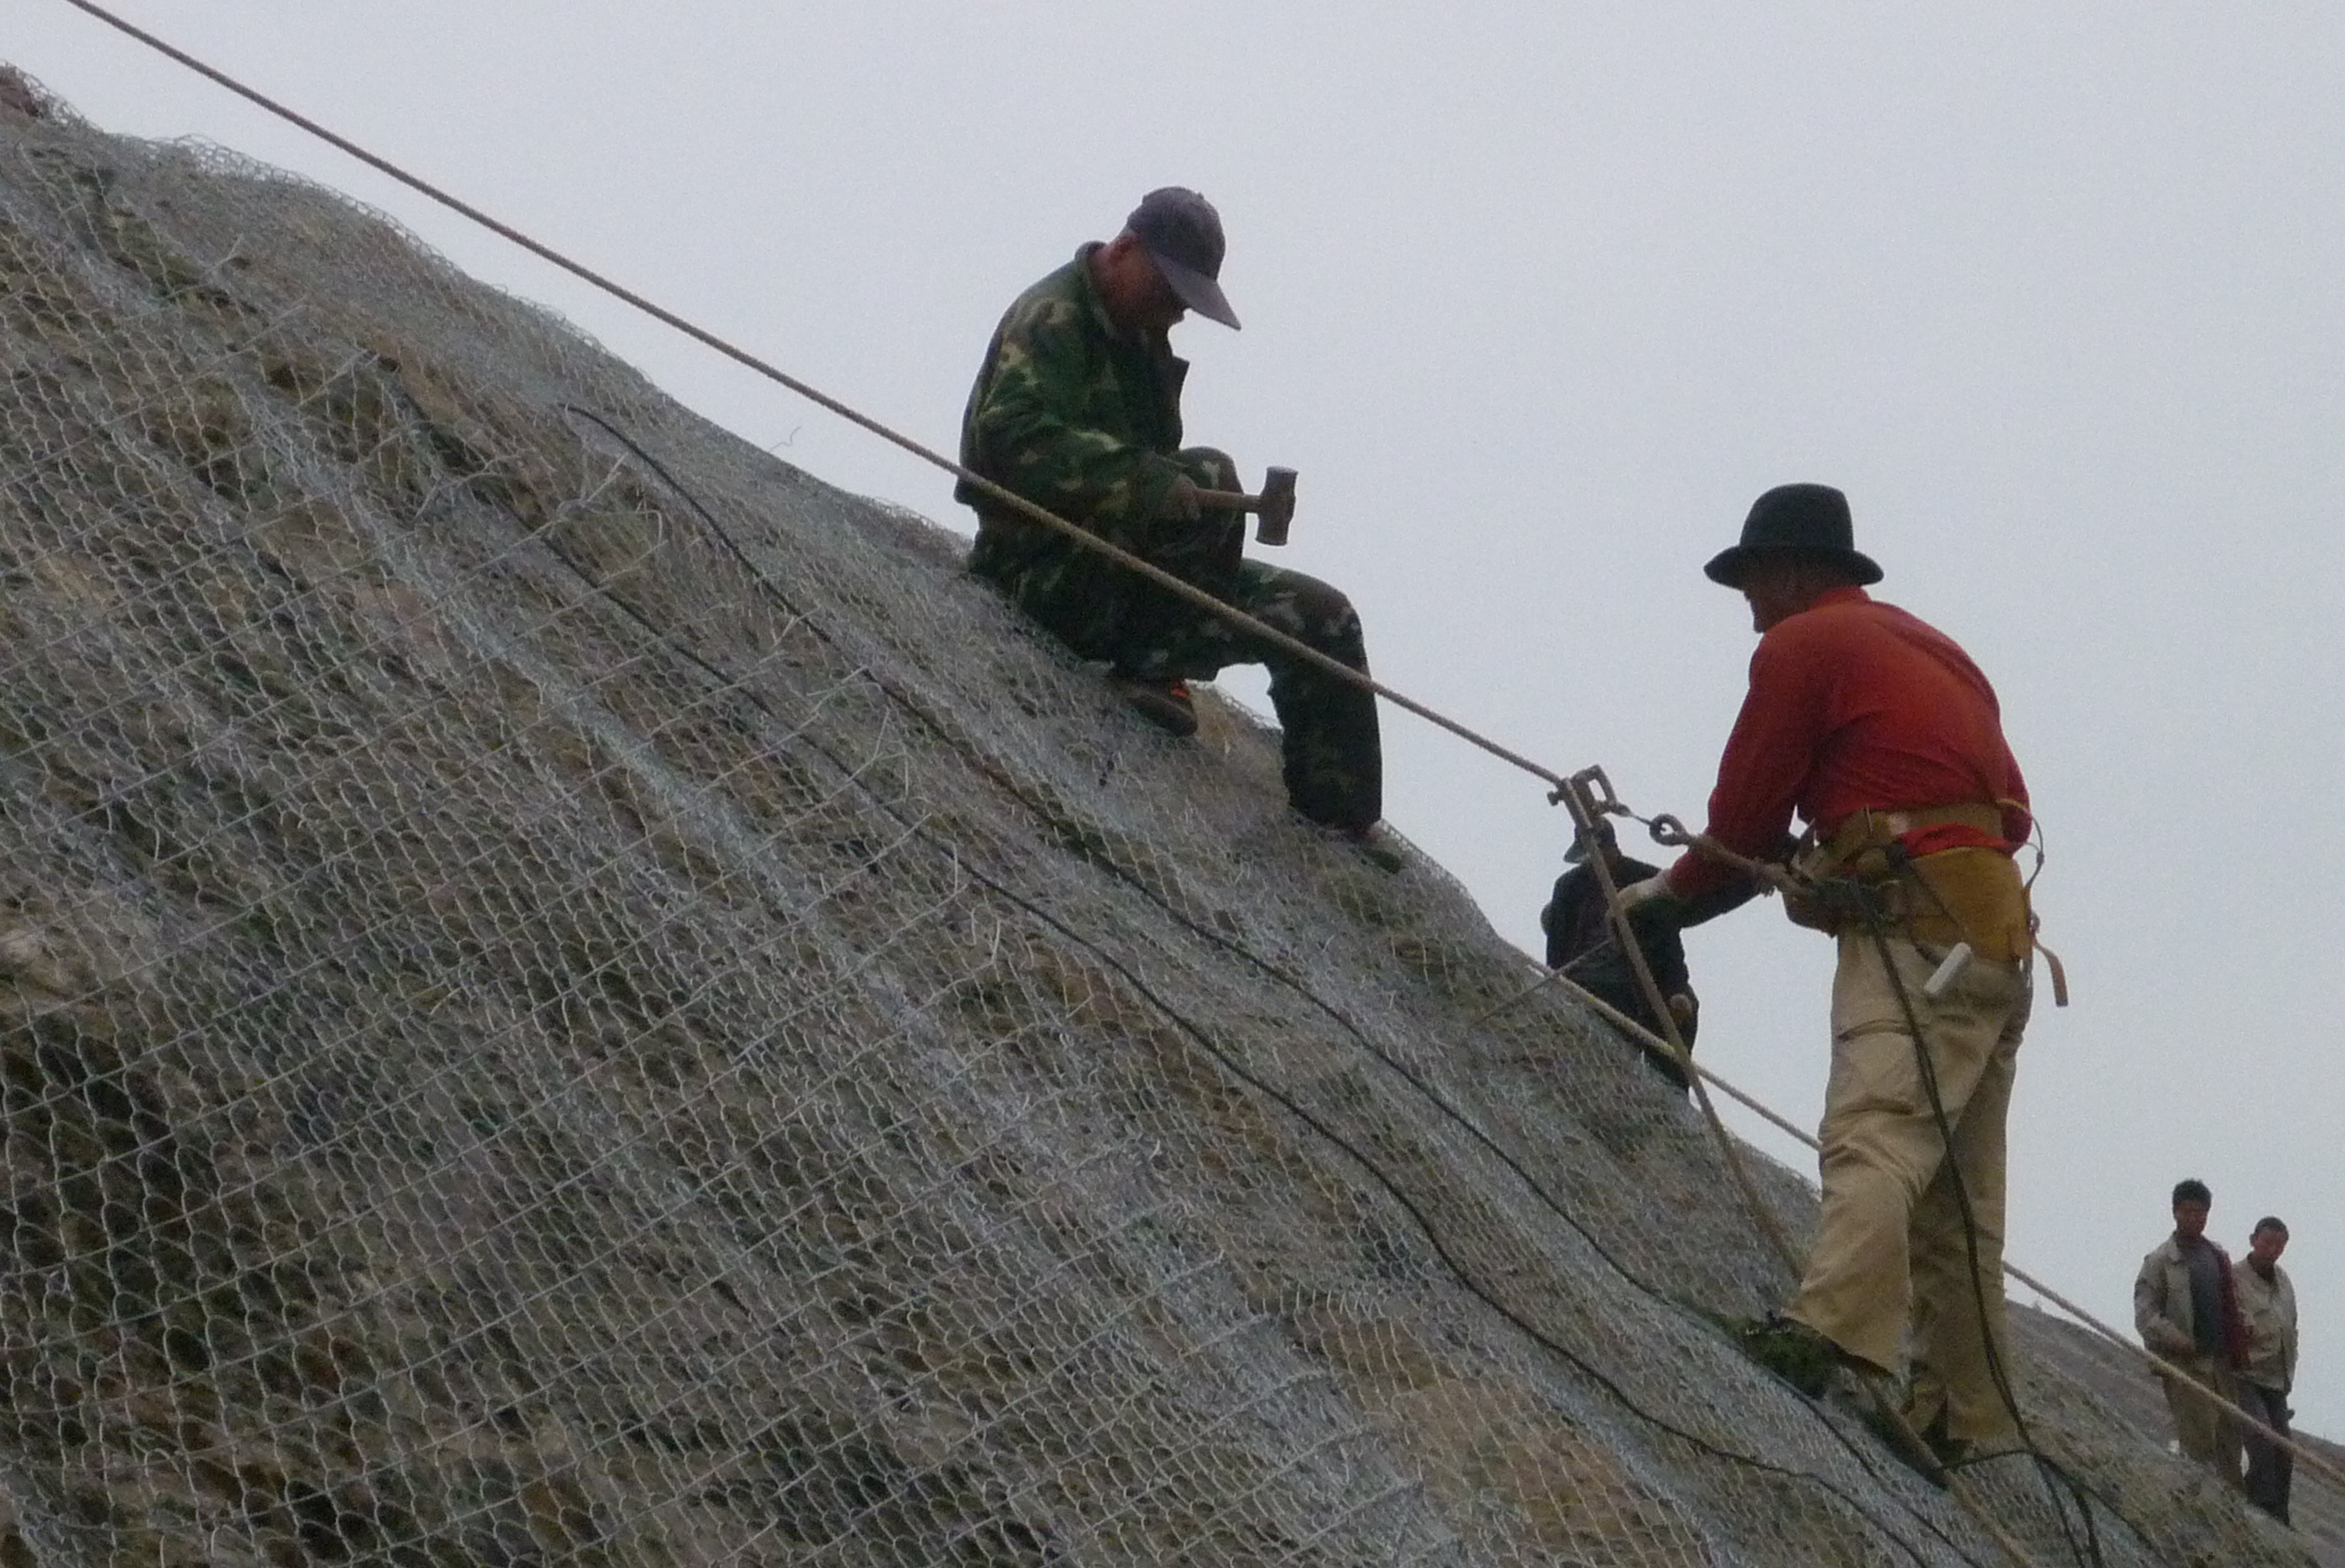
[1594,792]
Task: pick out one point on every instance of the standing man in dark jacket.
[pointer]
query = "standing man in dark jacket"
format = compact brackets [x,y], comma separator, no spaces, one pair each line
[1077,410]
[1581,942]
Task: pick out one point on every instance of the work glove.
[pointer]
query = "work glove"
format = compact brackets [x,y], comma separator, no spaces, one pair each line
[1653,903]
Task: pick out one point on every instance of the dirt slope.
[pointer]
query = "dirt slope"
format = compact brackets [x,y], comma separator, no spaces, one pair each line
[570,995]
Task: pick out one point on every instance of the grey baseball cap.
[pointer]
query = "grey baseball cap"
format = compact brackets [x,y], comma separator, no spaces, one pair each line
[1182,234]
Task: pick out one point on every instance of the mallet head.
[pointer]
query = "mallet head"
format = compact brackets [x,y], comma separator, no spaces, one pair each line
[1278,507]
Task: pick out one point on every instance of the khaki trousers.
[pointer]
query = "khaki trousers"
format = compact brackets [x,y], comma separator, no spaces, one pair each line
[2201,1426]
[1893,1232]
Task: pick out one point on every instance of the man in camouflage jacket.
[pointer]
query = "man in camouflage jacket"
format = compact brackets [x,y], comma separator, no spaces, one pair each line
[1078,410]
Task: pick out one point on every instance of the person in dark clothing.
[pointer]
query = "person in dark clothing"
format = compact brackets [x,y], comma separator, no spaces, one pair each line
[1580,942]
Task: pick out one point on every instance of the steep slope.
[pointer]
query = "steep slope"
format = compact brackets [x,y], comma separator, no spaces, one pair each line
[576,995]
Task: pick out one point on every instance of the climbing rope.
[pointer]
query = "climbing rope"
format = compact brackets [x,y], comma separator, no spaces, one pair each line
[1926,1067]
[1588,795]
[1668,831]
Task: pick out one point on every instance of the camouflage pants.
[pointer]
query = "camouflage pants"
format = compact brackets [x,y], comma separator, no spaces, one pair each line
[1333,753]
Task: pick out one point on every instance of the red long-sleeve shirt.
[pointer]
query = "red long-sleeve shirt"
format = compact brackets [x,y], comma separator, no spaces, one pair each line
[1856,703]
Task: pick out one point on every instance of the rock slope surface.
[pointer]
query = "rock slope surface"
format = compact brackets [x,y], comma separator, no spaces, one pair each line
[570,994]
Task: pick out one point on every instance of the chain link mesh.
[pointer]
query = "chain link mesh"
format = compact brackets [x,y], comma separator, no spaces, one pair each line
[574,995]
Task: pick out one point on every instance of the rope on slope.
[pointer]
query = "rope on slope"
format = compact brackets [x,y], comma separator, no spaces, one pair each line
[922,712]
[2320,1463]
[1155,574]
[1253,627]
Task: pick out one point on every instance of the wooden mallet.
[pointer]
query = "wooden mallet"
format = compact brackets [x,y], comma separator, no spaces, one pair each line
[1273,509]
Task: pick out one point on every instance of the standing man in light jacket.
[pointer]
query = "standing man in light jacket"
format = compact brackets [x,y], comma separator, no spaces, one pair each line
[2267,1307]
[2186,1308]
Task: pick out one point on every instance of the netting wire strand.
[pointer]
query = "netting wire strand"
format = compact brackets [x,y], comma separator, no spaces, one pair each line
[886,433]
[1050,519]
[314,729]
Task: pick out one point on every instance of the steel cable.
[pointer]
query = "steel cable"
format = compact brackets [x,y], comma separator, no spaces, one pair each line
[1390,1184]
[2316,1462]
[1252,626]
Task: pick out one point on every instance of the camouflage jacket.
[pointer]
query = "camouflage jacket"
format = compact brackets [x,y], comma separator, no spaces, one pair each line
[1071,416]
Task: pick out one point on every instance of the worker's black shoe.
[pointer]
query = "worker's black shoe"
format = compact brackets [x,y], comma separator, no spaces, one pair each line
[1791,1351]
[1953,1453]
[1163,703]
[1376,843]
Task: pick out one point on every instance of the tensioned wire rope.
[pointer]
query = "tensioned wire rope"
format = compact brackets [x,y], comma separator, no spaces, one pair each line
[1325,1132]
[1252,625]
[2318,1463]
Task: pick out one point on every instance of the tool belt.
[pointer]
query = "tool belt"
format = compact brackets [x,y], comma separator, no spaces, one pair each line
[1970,894]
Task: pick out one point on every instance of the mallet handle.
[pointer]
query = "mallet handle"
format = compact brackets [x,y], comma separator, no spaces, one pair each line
[1229,501]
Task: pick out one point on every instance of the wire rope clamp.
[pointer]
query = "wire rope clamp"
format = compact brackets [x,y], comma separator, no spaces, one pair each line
[1589,791]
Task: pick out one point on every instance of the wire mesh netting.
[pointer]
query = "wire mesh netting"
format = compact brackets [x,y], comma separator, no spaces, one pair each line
[574,995]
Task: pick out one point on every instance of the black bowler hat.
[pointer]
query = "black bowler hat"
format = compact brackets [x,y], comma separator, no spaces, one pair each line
[1182,234]
[1808,521]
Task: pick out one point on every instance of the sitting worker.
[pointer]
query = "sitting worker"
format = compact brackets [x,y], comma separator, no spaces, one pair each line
[2187,1310]
[1888,741]
[1077,410]
[1580,942]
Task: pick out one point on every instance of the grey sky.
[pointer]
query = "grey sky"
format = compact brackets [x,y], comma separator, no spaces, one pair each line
[1538,298]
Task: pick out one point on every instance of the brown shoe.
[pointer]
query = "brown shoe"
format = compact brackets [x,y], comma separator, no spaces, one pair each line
[1163,702]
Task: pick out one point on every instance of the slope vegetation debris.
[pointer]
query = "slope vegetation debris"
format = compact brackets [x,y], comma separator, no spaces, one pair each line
[576,995]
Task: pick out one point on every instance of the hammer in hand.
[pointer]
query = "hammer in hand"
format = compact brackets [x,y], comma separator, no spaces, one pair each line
[1274,507]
